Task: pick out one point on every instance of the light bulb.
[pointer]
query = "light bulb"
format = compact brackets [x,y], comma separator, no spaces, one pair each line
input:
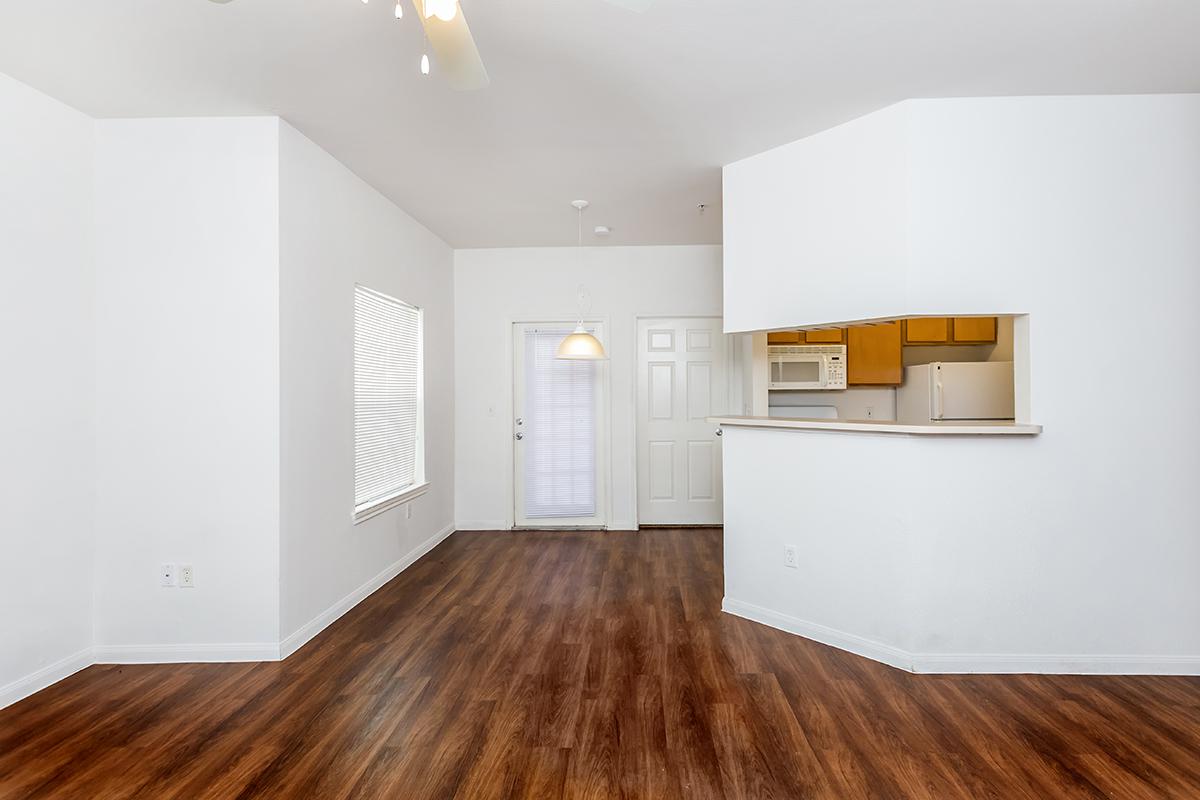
[424,64]
[445,10]
[399,11]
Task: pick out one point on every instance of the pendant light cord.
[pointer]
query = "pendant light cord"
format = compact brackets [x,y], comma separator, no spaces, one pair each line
[579,263]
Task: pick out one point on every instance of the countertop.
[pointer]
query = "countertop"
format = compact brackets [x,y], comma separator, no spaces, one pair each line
[947,428]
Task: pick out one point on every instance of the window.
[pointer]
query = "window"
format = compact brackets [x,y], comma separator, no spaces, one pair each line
[389,458]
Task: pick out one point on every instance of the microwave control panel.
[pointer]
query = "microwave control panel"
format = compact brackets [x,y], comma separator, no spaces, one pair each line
[836,371]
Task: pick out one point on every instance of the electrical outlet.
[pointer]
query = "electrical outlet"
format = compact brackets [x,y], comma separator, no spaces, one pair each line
[187,577]
[167,574]
[791,556]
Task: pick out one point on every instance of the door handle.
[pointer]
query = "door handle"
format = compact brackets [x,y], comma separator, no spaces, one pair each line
[518,436]
[720,432]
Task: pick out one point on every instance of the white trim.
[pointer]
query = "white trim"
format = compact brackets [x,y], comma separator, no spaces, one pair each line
[388,503]
[483,525]
[623,525]
[1022,663]
[330,615]
[877,651]
[50,674]
[217,652]
[967,663]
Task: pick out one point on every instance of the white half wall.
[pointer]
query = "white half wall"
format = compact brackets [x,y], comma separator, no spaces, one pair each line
[336,231]
[187,390]
[1081,211]
[47,418]
[817,230]
[495,288]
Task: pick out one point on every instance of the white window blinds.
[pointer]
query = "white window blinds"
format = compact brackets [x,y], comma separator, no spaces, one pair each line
[560,407]
[387,398]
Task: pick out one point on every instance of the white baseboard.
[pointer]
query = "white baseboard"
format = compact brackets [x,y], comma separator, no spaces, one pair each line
[623,525]
[1038,664]
[877,651]
[330,615]
[482,525]
[185,653]
[51,673]
[967,663]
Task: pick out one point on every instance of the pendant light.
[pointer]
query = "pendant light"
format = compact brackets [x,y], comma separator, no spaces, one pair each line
[581,345]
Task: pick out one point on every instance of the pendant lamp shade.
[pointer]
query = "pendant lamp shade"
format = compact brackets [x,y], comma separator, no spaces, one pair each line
[581,346]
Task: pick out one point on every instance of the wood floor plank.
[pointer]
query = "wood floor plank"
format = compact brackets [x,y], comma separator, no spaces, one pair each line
[546,665]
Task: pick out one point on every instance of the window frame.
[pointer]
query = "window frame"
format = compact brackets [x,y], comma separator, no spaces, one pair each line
[420,484]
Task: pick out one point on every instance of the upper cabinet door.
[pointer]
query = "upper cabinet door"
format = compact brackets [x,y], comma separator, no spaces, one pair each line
[974,330]
[784,337]
[830,336]
[874,355]
[927,330]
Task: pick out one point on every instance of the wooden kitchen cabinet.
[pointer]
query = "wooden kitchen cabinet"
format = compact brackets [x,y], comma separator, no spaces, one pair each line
[874,355]
[927,330]
[973,330]
[785,337]
[829,336]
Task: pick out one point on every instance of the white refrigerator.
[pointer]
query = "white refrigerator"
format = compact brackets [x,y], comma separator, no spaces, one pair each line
[956,390]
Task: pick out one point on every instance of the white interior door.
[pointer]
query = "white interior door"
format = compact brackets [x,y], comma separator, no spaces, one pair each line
[681,381]
[558,432]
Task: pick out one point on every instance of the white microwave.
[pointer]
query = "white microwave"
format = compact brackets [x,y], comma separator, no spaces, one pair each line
[812,366]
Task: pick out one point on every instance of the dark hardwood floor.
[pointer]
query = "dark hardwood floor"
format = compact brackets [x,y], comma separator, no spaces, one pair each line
[585,665]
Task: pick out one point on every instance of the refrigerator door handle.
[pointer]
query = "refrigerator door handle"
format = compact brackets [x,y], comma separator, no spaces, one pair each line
[939,402]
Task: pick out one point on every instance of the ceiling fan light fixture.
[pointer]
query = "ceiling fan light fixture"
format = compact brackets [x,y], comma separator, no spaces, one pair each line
[445,10]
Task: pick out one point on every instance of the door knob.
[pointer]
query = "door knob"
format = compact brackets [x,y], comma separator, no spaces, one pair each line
[518,436]
[720,432]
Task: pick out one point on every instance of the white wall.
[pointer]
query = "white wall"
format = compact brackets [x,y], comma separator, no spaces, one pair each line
[494,288]
[47,422]
[814,230]
[187,390]
[1082,542]
[336,231]
[866,402]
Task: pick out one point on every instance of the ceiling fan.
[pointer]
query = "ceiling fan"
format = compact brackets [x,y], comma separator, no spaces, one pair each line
[448,34]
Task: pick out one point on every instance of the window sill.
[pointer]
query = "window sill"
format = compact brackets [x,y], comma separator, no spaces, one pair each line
[388,503]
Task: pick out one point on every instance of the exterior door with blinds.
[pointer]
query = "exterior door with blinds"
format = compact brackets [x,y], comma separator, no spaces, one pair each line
[557,431]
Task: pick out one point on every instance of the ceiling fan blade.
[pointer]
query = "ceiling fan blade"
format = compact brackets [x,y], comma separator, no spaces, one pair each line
[457,57]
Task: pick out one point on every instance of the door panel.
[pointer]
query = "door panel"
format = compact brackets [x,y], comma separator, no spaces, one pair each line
[662,390]
[662,470]
[558,432]
[699,389]
[702,471]
[681,382]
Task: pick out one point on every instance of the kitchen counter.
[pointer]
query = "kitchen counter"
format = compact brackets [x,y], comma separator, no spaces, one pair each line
[947,428]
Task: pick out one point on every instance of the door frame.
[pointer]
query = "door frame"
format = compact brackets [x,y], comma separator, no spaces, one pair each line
[604,446]
[637,377]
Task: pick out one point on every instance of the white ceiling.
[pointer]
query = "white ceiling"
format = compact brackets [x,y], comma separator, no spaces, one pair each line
[635,112]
